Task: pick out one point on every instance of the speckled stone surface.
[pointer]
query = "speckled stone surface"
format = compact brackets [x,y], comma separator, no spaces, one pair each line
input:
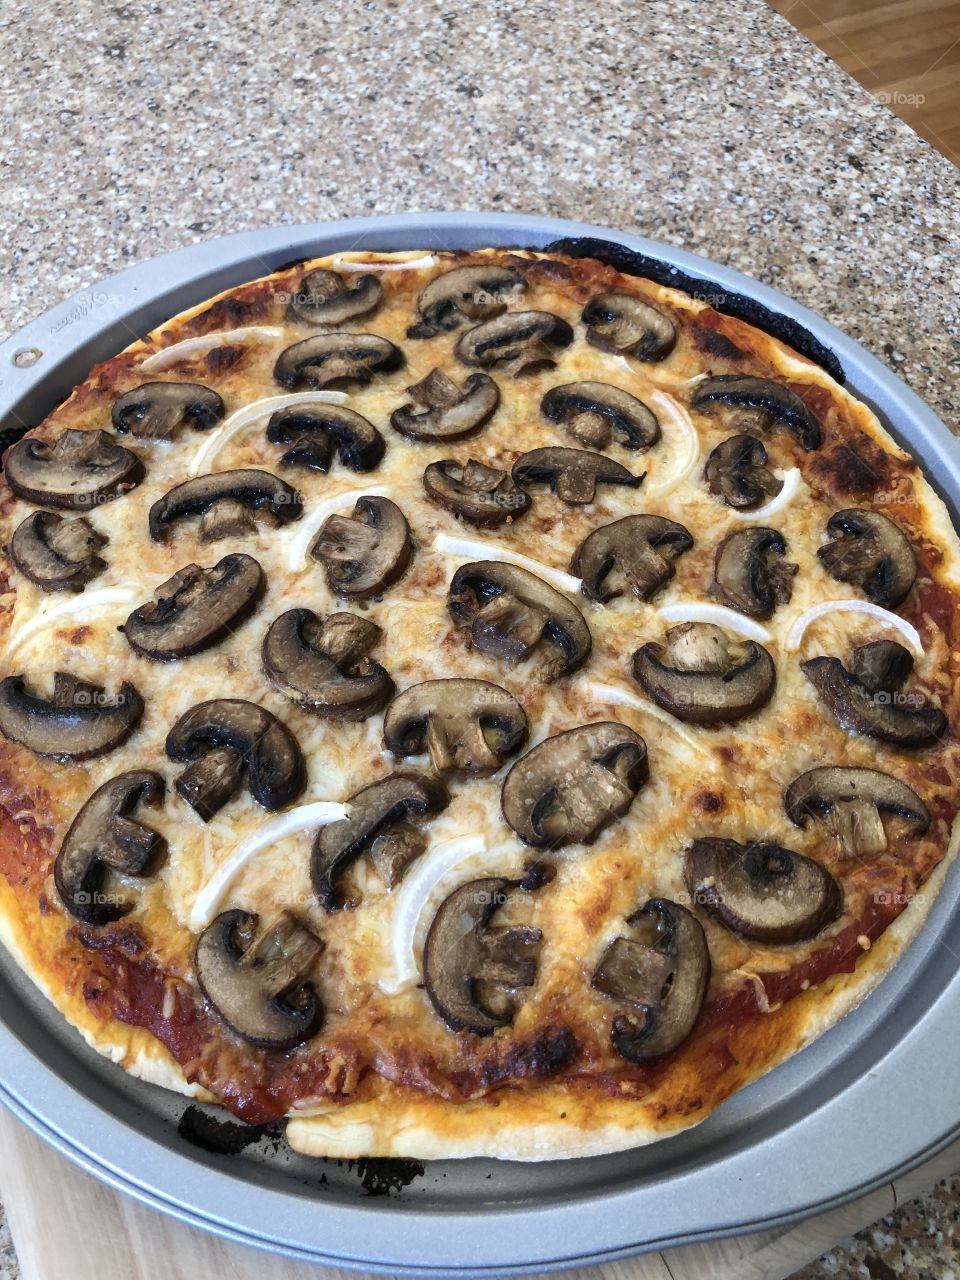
[133,129]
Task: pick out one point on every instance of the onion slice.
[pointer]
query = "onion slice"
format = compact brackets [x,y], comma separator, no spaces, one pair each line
[671,412]
[613,695]
[719,614]
[78,608]
[394,264]
[411,899]
[476,549]
[788,491]
[167,356]
[305,529]
[208,900]
[800,623]
[253,412]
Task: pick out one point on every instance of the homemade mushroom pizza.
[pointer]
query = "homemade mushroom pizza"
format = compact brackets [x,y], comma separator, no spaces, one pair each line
[474,703]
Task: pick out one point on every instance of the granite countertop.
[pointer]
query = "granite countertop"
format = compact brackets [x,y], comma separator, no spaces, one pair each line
[134,129]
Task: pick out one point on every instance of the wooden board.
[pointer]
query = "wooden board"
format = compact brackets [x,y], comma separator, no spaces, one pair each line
[54,1207]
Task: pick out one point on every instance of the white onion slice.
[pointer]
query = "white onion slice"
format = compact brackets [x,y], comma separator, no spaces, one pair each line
[719,614]
[253,413]
[78,608]
[167,356]
[208,900]
[408,264]
[448,544]
[672,412]
[789,490]
[613,695]
[800,623]
[411,899]
[305,529]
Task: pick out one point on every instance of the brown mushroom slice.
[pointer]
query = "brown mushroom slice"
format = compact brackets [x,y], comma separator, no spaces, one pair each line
[870,551]
[570,787]
[258,982]
[762,892]
[315,432]
[594,412]
[158,410]
[737,472]
[850,801]
[704,676]
[572,474]
[377,813]
[636,553]
[366,552]
[448,412]
[104,840]
[465,293]
[195,609]
[518,341]
[80,721]
[877,709]
[336,358]
[78,470]
[469,726]
[228,502]
[625,324]
[57,554]
[772,403]
[322,663]
[510,612]
[482,495]
[751,573]
[663,973]
[225,738]
[323,297]
[464,955]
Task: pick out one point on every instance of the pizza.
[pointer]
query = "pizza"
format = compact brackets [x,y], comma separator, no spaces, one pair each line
[481,703]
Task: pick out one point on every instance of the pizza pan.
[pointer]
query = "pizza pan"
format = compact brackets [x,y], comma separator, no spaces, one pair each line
[873,1097]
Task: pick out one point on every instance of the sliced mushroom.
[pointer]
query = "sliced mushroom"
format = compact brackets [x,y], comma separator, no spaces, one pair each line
[627,325]
[228,502]
[322,663]
[636,553]
[663,973]
[225,738]
[570,787]
[771,402]
[482,495]
[464,956]
[57,554]
[196,608]
[468,726]
[340,358]
[104,838]
[850,802]
[449,413]
[870,551]
[366,552]
[258,983]
[737,472]
[762,891]
[751,574]
[572,474]
[158,410]
[871,703]
[80,721]
[377,813]
[511,611]
[518,342]
[465,293]
[702,675]
[324,298]
[79,469]
[594,411]
[316,431]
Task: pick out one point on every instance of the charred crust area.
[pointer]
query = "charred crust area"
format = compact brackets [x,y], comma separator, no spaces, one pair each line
[856,465]
[250,305]
[712,342]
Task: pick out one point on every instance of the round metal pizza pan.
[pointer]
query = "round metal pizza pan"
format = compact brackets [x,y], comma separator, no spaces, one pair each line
[873,1097]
